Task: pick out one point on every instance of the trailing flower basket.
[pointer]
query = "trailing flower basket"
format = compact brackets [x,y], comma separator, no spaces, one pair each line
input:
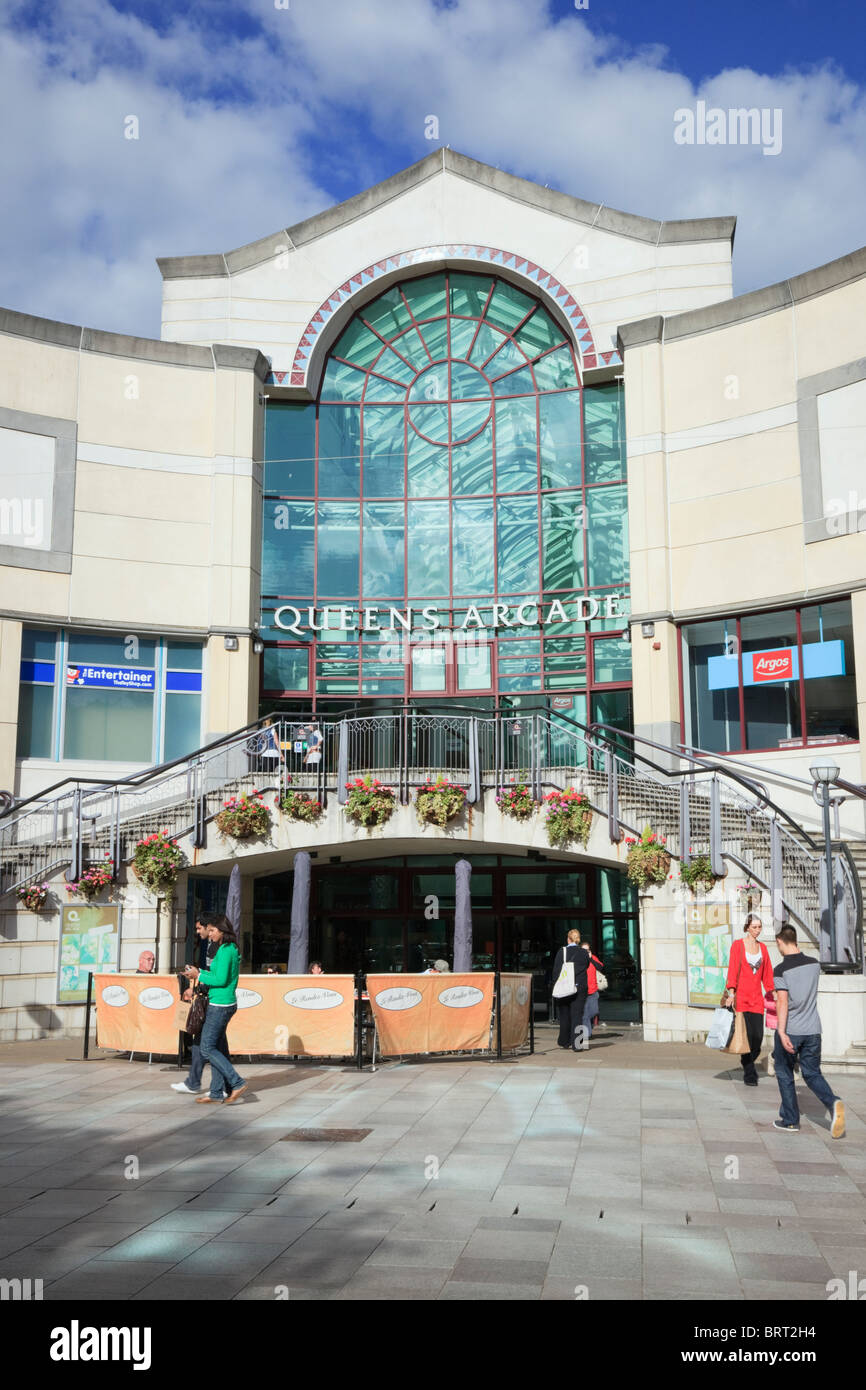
[244,817]
[569,817]
[698,875]
[648,862]
[515,800]
[749,895]
[370,803]
[92,881]
[157,862]
[300,806]
[34,897]
[437,803]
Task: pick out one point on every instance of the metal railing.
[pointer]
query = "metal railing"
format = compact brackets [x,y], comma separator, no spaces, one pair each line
[700,808]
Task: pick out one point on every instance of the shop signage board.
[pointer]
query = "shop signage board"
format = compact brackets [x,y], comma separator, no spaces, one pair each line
[708,950]
[112,677]
[777,664]
[481,615]
[89,942]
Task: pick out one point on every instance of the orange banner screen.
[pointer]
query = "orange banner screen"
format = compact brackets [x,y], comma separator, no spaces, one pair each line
[431,1013]
[281,1015]
[136,1013]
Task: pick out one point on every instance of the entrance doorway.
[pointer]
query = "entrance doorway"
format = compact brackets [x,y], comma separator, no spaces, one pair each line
[396,915]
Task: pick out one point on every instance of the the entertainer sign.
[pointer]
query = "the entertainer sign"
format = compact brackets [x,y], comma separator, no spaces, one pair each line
[111,677]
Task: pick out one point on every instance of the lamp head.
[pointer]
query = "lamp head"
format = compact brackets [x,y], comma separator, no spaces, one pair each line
[824,773]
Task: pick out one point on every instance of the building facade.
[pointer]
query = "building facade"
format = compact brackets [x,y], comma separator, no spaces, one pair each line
[461,444]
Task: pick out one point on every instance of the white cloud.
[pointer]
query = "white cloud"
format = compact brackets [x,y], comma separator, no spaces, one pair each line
[228,126]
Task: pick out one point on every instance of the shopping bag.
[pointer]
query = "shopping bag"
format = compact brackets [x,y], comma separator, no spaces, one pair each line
[721,1025]
[771,1017]
[565,981]
[181,1014]
[739,1042]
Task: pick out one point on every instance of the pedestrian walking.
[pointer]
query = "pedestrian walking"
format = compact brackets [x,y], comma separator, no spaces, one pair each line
[749,982]
[205,952]
[798,1035]
[590,1012]
[571,1006]
[221,978]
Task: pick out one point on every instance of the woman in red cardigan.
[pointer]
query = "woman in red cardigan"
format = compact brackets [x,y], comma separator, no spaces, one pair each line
[750,978]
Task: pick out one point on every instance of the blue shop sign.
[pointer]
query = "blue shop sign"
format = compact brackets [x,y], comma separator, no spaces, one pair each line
[38,672]
[776,665]
[112,677]
[189,681]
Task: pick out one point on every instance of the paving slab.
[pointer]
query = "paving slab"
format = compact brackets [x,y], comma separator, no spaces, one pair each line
[560,1177]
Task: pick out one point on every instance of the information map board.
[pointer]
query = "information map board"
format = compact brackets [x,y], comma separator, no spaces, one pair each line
[708,946]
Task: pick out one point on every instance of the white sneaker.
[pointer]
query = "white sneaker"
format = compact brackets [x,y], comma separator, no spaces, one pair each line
[182,1086]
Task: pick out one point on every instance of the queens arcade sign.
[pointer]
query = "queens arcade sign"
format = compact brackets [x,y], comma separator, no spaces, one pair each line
[299,621]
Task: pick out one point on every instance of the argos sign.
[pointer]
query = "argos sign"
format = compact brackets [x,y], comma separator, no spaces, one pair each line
[774,666]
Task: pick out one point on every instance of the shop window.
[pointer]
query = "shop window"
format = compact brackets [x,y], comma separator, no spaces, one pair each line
[771,680]
[747,682]
[114,697]
[110,682]
[711,677]
[36,693]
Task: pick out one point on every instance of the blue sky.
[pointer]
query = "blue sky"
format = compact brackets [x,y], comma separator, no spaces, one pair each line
[251,118]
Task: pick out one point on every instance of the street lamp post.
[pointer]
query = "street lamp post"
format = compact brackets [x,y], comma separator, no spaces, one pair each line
[823,775]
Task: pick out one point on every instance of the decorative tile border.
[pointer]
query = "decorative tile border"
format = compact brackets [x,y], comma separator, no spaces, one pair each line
[589,356]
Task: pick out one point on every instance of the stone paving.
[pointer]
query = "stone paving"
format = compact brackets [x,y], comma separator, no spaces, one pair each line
[633,1171]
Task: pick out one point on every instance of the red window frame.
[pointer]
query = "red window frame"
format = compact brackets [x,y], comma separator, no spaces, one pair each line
[452,688]
[743,750]
[277,694]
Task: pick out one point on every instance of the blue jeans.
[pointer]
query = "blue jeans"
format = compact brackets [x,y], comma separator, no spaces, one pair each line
[214,1049]
[590,1012]
[196,1066]
[807,1051]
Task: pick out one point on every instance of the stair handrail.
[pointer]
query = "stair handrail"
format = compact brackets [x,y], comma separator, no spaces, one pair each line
[146,774]
[756,788]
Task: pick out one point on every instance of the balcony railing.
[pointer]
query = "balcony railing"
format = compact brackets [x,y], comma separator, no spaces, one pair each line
[700,808]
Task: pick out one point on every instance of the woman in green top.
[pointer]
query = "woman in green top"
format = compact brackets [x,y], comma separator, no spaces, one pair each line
[221,978]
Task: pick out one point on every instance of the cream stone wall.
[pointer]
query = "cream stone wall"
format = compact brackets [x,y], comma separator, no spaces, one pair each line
[615,275]
[166,511]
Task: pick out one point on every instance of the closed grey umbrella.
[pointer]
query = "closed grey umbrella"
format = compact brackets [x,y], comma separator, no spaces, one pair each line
[299,943]
[463,918]
[233,900]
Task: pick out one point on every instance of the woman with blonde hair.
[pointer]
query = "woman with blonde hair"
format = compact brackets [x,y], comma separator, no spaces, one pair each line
[570,1007]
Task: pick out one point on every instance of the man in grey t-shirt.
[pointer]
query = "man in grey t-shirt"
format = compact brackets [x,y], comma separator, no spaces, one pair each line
[798,1036]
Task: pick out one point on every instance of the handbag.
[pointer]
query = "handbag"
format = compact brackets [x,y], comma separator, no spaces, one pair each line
[738,1043]
[196,1016]
[565,980]
[600,979]
[771,1017]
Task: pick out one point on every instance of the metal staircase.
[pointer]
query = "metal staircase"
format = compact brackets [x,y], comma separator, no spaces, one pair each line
[700,807]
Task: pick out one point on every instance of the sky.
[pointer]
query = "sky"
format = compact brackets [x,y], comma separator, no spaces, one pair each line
[250,115]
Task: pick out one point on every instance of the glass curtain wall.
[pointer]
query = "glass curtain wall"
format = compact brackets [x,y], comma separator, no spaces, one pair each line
[452,460]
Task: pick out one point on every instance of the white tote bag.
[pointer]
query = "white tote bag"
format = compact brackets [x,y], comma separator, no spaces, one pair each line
[565,981]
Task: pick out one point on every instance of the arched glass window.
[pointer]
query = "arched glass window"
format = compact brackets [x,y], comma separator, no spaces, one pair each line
[444,465]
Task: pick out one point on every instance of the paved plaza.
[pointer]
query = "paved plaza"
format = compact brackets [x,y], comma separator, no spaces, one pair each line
[634,1171]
